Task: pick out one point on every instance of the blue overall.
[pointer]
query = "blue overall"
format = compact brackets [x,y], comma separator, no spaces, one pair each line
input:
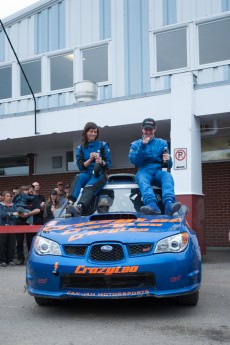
[86,177]
[148,159]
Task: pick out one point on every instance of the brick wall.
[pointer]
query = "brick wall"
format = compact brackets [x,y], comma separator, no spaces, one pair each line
[47,182]
[216,188]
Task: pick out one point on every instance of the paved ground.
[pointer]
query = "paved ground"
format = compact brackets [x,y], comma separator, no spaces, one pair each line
[130,322]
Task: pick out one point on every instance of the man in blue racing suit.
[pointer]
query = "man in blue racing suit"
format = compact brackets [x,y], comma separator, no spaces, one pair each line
[148,155]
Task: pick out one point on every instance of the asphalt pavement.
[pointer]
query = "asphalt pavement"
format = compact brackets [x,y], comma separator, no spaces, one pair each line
[129,322]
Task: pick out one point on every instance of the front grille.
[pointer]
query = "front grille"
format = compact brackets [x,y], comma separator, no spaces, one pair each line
[140,249]
[116,254]
[115,281]
[75,250]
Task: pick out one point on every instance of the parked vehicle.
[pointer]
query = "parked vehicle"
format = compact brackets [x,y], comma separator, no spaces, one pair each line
[116,252]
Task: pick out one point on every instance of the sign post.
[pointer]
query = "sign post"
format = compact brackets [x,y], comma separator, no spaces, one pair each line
[180,159]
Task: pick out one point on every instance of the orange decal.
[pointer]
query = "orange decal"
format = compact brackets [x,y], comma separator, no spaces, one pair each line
[105,270]
[56,265]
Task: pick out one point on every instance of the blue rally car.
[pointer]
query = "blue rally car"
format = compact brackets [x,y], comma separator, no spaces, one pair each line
[115,252]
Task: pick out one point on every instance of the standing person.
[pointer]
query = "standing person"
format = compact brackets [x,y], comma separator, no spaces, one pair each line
[8,214]
[14,192]
[61,192]
[34,210]
[52,205]
[93,160]
[41,199]
[148,155]
[67,188]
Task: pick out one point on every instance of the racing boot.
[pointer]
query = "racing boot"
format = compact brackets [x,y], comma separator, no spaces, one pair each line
[73,211]
[172,207]
[150,209]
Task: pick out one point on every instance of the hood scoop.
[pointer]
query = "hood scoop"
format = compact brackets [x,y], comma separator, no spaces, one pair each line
[111,216]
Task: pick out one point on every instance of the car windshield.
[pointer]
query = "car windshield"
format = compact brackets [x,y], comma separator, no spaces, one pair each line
[118,200]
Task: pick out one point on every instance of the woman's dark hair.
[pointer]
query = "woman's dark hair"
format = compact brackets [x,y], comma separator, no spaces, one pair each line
[88,126]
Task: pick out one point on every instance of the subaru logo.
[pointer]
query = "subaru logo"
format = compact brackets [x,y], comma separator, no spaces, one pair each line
[106,248]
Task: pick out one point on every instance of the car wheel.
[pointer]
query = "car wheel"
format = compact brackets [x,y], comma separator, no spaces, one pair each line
[189,299]
[44,301]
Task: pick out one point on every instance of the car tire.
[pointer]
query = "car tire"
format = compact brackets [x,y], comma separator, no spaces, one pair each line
[44,301]
[191,300]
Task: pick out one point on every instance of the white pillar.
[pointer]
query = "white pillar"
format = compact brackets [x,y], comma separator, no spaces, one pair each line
[185,134]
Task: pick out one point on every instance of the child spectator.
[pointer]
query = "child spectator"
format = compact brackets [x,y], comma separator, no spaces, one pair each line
[21,201]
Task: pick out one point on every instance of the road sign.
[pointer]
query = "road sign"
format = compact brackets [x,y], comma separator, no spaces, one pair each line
[180,159]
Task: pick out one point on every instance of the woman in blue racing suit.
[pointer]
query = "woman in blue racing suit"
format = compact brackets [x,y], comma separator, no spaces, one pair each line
[93,160]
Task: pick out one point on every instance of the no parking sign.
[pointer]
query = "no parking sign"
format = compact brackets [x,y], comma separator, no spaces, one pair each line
[180,159]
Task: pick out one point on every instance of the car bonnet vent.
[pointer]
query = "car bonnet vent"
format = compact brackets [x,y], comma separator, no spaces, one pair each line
[113,216]
[121,178]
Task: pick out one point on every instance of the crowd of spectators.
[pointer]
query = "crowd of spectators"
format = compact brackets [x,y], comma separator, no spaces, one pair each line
[26,206]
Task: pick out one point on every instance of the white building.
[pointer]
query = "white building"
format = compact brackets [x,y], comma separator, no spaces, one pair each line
[166,59]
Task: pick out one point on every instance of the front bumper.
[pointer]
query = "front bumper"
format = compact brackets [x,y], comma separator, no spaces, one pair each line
[157,275]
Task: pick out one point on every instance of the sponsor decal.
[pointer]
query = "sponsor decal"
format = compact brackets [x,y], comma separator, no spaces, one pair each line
[175,279]
[109,294]
[80,230]
[42,280]
[105,270]
[119,223]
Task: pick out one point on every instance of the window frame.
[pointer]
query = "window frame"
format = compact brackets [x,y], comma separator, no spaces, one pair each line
[53,55]
[207,21]
[37,58]
[6,65]
[92,46]
[153,49]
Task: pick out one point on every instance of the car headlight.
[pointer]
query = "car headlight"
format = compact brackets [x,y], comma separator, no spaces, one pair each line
[172,244]
[43,246]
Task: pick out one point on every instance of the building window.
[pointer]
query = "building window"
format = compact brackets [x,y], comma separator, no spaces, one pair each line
[61,72]
[171,50]
[17,165]
[57,162]
[214,44]
[95,64]
[32,71]
[6,82]
[71,165]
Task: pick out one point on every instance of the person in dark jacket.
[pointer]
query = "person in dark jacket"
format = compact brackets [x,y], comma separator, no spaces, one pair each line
[93,160]
[52,205]
[34,210]
[8,214]
[148,155]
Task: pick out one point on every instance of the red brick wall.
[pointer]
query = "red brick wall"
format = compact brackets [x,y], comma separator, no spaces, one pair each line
[47,182]
[216,189]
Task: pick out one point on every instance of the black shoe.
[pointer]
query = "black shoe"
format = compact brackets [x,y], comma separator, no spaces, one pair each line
[171,208]
[11,263]
[20,262]
[150,210]
[3,264]
[73,211]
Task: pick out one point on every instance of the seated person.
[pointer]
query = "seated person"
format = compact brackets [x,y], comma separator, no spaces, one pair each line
[148,155]
[93,160]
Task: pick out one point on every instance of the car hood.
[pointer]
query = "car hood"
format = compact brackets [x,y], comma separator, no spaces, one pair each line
[86,230]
